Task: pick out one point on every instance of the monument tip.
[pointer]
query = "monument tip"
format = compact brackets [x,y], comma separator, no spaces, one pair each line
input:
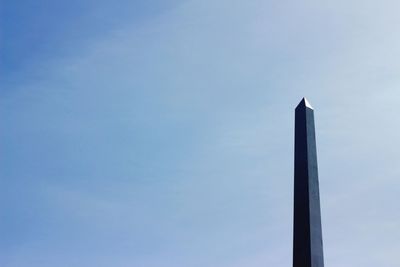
[304,102]
[307,103]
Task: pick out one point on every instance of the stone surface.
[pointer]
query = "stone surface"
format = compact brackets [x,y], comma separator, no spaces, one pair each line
[307,230]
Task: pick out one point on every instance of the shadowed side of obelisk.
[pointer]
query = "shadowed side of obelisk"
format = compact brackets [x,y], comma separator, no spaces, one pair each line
[307,232]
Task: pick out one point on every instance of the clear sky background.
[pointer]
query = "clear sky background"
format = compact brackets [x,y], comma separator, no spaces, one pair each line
[160,133]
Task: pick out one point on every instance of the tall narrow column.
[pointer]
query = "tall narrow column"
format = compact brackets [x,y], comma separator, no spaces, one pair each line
[307,232]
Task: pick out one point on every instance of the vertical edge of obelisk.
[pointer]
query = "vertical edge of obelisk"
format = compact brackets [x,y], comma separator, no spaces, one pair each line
[316,245]
[301,227]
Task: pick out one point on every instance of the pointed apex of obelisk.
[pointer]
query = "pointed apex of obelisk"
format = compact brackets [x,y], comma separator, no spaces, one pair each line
[307,103]
[304,102]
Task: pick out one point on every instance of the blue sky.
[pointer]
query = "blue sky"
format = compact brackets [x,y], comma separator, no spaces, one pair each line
[160,133]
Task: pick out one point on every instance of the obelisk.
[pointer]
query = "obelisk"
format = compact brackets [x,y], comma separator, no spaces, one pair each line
[307,232]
